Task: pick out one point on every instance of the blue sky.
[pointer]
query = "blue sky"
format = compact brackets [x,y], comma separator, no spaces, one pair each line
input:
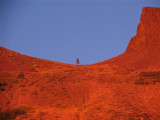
[62,30]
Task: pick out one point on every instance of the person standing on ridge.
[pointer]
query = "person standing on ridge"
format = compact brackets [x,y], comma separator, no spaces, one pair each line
[77,61]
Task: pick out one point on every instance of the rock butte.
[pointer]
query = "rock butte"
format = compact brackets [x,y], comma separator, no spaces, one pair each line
[125,87]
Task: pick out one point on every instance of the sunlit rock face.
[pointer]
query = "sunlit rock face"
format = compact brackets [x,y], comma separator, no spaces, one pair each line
[148,31]
[144,48]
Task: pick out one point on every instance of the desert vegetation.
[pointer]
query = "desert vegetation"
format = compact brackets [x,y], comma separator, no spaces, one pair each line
[11,114]
[148,78]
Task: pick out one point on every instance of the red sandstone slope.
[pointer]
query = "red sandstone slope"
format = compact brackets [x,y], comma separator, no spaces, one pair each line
[52,90]
[37,89]
[13,61]
[143,50]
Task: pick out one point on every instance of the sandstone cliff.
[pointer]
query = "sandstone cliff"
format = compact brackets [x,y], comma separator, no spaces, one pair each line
[144,48]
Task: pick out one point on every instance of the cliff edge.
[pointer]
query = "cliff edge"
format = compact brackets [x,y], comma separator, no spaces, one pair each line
[144,48]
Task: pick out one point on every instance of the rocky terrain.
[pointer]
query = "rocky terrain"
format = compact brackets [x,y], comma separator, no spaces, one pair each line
[126,87]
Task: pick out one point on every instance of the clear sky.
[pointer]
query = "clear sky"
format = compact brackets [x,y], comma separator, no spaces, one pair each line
[62,30]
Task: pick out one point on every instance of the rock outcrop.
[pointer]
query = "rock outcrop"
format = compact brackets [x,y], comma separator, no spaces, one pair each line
[148,31]
[144,48]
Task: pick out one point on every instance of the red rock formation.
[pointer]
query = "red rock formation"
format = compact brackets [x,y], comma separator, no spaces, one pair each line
[148,31]
[144,48]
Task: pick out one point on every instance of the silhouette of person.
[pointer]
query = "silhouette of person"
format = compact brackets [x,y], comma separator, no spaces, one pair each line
[77,61]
